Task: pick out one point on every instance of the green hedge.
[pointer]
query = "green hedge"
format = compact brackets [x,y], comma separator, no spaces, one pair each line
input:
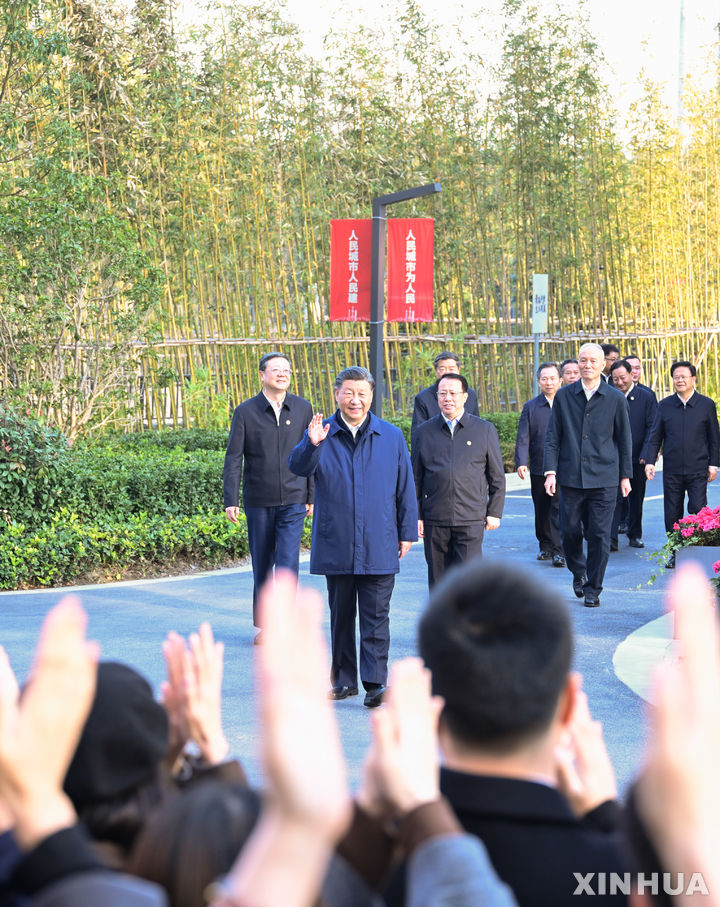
[69,546]
[185,438]
[107,479]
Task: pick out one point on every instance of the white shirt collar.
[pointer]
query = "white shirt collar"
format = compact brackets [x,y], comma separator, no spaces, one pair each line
[353,429]
[277,405]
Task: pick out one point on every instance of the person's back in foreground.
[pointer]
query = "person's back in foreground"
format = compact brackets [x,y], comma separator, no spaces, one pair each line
[499,647]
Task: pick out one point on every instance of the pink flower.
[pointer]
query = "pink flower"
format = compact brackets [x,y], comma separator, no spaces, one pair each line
[687,533]
[716,567]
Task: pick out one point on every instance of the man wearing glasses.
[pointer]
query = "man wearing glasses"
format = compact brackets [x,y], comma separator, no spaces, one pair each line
[459,479]
[264,430]
[365,522]
[686,427]
[426,402]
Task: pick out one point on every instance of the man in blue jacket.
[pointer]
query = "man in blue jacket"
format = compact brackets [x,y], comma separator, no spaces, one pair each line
[365,521]
[588,453]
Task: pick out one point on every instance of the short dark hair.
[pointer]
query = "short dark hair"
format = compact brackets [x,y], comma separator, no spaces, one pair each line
[268,356]
[567,362]
[499,646]
[544,365]
[620,362]
[609,348]
[355,373]
[684,364]
[633,356]
[453,376]
[446,354]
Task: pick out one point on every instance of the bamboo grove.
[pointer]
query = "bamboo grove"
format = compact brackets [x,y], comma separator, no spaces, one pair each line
[164,209]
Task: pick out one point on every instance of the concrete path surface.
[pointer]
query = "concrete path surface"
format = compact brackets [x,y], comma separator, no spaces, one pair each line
[131,620]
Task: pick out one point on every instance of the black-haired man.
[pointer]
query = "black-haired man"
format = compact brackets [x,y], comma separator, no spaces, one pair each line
[642,407]
[499,646]
[365,522]
[612,354]
[686,427]
[426,402]
[459,478]
[264,430]
[529,453]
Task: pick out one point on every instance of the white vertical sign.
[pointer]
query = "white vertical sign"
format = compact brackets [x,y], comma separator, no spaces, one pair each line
[540,304]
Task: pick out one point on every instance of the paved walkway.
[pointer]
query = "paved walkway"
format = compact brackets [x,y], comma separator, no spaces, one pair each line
[616,643]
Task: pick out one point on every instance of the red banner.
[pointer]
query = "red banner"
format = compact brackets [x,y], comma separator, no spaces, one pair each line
[410,269]
[350,269]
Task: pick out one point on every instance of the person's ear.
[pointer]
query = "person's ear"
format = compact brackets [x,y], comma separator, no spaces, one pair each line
[568,697]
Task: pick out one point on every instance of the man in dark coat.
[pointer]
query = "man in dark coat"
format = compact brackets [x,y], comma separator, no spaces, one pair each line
[588,453]
[426,402]
[499,647]
[529,455]
[365,521]
[642,406]
[264,430]
[459,478]
[686,427]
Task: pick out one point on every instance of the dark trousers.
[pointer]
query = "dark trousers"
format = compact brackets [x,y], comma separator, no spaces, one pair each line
[369,596]
[591,510]
[632,504]
[674,488]
[449,545]
[547,516]
[274,536]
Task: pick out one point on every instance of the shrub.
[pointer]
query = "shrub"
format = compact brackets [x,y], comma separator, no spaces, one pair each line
[68,546]
[125,481]
[188,439]
[32,457]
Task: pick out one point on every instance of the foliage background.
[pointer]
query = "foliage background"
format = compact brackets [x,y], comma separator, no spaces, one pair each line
[164,209]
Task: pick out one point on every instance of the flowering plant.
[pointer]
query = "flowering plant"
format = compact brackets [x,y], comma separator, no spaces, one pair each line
[701,528]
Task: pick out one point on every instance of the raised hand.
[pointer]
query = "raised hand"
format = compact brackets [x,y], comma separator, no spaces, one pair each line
[39,735]
[678,792]
[307,807]
[317,432]
[585,772]
[203,673]
[402,768]
[192,693]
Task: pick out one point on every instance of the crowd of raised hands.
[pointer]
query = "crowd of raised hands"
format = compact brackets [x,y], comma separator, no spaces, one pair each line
[206,838]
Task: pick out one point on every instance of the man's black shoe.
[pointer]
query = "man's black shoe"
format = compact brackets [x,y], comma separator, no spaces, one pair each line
[623,528]
[636,543]
[592,600]
[373,698]
[670,562]
[578,583]
[342,692]
[544,555]
[613,545]
[558,560]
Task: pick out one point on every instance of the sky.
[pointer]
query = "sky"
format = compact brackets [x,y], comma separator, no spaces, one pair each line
[636,36]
